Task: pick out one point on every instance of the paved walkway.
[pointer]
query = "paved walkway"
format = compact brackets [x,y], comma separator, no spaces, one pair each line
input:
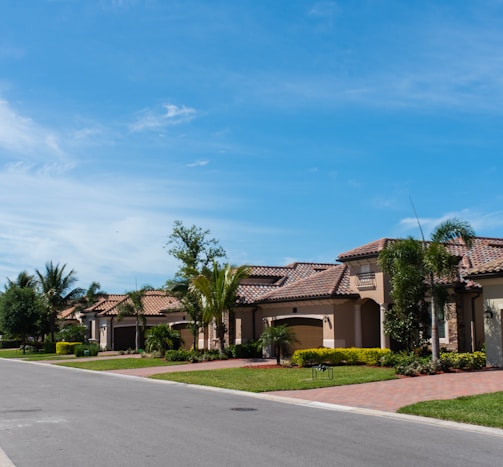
[387,396]
[390,395]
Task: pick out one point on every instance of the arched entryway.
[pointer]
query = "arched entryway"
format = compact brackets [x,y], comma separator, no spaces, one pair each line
[371,326]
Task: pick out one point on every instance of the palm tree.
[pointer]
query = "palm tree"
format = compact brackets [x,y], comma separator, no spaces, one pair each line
[441,263]
[406,321]
[56,288]
[134,306]
[280,338]
[161,338]
[22,281]
[218,293]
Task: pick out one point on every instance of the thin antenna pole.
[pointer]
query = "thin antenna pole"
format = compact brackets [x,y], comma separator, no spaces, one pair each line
[417,219]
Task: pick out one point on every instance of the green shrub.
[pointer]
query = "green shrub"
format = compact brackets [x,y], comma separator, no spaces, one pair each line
[180,355]
[462,361]
[10,344]
[86,350]
[66,348]
[72,333]
[340,356]
[412,364]
[49,347]
[251,349]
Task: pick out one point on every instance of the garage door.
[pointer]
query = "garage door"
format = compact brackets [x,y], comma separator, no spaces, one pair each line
[308,332]
[124,338]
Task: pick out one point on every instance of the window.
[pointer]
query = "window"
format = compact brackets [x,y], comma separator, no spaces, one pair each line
[442,329]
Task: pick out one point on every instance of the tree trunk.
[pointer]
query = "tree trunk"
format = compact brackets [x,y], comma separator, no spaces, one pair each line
[277,351]
[137,336]
[435,341]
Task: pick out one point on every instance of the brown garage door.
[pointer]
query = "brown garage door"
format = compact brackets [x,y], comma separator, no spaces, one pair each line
[308,332]
[185,334]
[124,338]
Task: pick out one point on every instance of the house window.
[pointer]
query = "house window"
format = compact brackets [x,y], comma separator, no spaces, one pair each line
[442,329]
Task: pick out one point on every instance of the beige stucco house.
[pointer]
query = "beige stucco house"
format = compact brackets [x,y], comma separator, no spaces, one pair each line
[331,305]
[490,277]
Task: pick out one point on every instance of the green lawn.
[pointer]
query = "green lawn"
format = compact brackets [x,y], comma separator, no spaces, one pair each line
[16,353]
[118,363]
[484,409]
[278,379]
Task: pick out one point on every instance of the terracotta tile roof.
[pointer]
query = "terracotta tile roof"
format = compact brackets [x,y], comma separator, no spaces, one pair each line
[265,279]
[155,302]
[493,267]
[369,249]
[329,283]
[482,251]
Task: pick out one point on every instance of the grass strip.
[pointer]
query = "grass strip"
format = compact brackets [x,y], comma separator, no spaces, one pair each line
[483,409]
[278,379]
[118,363]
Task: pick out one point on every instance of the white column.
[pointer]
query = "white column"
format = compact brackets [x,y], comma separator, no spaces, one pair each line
[358,325]
[384,337]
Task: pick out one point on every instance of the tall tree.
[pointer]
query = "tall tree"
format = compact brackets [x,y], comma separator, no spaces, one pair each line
[416,267]
[192,247]
[195,251]
[441,263]
[20,311]
[219,293]
[22,280]
[57,289]
[134,306]
[406,321]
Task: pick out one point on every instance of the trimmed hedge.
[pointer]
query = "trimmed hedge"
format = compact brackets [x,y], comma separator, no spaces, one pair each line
[462,361]
[66,348]
[410,364]
[14,344]
[340,356]
[49,347]
[92,350]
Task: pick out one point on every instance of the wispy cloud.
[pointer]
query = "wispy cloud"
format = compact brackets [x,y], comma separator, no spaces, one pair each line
[485,222]
[200,163]
[323,9]
[173,115]
[24,139]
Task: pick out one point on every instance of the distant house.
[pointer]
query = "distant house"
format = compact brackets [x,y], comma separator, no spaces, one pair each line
[331,305]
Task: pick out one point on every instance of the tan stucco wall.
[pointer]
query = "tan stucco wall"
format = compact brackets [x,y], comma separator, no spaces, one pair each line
[337,317]
[493,327]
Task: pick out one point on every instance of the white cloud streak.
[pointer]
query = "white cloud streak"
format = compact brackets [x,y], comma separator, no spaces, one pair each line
[174,115]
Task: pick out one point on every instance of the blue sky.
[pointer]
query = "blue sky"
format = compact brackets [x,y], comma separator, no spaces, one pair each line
[292,130]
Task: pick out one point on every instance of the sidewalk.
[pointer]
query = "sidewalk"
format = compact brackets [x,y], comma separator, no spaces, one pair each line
[390,395]
[387,396]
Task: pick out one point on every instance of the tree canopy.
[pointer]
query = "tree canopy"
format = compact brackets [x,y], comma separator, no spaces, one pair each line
[195,251]
[416,268]
[218,295]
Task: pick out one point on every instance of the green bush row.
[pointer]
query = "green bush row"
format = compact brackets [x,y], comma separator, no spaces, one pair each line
[410,364]
[193,356]
[340,356]
[66,348]
[86,350]
[250,349]
[11,344]
[49,347]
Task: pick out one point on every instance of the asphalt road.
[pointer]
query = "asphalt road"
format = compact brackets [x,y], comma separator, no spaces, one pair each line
[60,417]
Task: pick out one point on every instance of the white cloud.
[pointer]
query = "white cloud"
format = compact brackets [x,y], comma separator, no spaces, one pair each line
[200,163]
[23,138]
[174,115]
[323,9]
